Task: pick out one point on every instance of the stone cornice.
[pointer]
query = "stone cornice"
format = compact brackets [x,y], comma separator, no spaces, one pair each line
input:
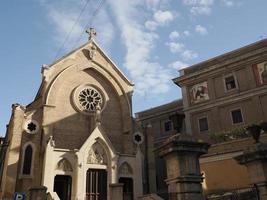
[181,143]
[235,57]
[219,157]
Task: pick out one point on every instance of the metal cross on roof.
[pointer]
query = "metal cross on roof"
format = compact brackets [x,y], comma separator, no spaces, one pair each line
[91,32]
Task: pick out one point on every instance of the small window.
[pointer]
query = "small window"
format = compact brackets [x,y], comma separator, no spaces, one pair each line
[230,82]
[27,162]
[168,126]
[237,116]
[203,124]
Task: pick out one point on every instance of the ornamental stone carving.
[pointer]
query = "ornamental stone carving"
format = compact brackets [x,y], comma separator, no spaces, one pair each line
[88,98]
[125,169]
[64,165]
[97,155]
[92,52]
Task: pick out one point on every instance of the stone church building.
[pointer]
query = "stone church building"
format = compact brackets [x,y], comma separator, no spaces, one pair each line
[76,137]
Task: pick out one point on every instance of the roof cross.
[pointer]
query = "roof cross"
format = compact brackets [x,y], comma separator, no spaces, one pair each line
[91,32]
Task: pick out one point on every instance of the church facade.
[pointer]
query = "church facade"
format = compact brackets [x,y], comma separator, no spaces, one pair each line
[76,137]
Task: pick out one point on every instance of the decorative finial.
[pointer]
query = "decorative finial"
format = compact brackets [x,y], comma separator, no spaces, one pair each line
[91,32]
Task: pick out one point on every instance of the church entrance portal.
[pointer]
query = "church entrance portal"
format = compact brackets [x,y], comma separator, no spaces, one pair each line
[62,186]
[96,184]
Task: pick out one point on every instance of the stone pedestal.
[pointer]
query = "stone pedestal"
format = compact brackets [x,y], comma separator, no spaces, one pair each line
[38,193]
[181,153]
[116,191]
[255,159]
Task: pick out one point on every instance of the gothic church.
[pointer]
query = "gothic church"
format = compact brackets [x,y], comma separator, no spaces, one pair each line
[76,137]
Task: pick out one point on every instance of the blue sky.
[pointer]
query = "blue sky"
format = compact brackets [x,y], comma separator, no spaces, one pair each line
[148,39]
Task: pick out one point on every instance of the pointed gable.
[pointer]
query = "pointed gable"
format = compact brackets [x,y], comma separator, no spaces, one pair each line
[89,53]
[85,73]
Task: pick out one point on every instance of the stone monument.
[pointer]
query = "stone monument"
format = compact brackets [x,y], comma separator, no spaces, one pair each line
[181,153]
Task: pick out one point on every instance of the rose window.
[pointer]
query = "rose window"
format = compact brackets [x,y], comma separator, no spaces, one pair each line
[89,98]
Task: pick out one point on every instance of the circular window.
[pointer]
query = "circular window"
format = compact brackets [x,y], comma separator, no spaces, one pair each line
[87,98]
[138,138]
[31,127]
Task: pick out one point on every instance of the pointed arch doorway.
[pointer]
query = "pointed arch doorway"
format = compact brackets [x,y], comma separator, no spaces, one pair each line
[96,184]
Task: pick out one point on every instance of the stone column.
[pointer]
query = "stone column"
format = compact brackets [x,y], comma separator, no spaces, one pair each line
[181,153]
[255,159]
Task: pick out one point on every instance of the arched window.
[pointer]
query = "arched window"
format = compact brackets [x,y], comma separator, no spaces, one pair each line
[27,161]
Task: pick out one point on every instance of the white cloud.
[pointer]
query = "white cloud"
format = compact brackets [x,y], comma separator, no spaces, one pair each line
[186,33]
[200,10]
[228,3]
[152,4]
[175,47]
[139,45]
[157,4]
[198,2]
[178,65]
[189,55]
[63,23]
[163,17]
[63,16]
[201,30]
[174,35]
[199,7]
[151,25]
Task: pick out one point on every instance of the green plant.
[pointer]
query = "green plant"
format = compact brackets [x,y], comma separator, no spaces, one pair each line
[233,134]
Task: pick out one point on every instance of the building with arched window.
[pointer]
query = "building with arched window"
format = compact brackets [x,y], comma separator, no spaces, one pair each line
[79,140]
[76,137]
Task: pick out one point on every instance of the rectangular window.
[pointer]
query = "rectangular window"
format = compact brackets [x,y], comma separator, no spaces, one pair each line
[203,124]
[168,126]
[230,82]
[237,116]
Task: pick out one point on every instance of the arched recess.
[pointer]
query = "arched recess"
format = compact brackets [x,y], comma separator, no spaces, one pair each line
[82,66]
[121,89]
[101,153]
[125,169]
[126,178]
[64,165]
[27,163]
[97,155]
[99,171]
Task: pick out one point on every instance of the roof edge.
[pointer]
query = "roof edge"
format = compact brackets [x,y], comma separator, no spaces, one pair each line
[227,55]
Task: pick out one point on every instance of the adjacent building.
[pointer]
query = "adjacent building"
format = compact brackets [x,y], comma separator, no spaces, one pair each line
[221,96]
[227,91]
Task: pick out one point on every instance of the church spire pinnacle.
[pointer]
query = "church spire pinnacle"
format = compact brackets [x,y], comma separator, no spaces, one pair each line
[91,32]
